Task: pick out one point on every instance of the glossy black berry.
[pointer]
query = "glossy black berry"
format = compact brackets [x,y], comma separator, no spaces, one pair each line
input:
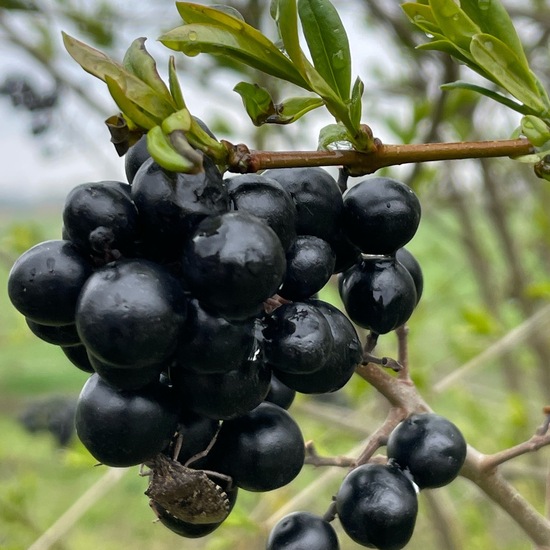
[233,263]
[317,198]
[380,215]
[78,356]
[431,447]
[46,280]
[196,432]
[377,506]
[265,198]
[121,428]
[378,293]
[340,363]
[261,450]
[131,313]
[302,531]
[100,218]
[309,266]
[297,338]
[171,205]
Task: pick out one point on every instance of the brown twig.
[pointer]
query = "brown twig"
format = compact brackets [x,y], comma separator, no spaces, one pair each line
[315,459]
[241,159]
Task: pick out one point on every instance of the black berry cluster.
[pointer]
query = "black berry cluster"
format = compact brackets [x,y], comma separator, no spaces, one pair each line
[191,301]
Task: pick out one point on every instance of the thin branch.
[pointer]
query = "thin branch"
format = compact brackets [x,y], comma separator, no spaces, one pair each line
[313,458]
[511,339]
[241,159]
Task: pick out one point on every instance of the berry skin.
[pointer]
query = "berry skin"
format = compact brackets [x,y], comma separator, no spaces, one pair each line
[62,335]
[280,394]
[46,280]
[310,264]
[261,450]
[431,447]
[302,531]
[317,198]
[378,293]
[135,157]
[265,198]
[380,215]
[297,338]
[101,217]
[377,506]
[233,263]
[404,257]
[121,428]
[130,313]
[171,205]
[340,363]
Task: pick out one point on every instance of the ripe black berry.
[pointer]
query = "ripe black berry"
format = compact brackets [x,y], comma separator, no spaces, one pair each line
[378,293]
[233,263]
[404,257]
[121,428]
[131,313]
[377,506]
[46,280]
[380,215]
[431,447]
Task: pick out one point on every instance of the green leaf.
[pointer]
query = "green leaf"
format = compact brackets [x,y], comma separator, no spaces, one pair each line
[507,70]
[129,108]
[173,82]
[140,63]
[332,133]
[246,45]
[421,16]
[25,5]
[328,44]
[285,14]
[510,103]
[492,18]
[293,108]
[454,23]
[257,102]
[356,105]
[98,64]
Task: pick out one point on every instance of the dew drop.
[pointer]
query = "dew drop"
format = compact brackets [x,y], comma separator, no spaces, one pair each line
[484,4]
[338,60]
[192,36]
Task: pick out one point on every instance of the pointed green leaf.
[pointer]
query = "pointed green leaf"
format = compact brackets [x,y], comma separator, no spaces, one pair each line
[175,88]
[328,44]
[333,133]
[140,63]
[511,104]
[198,13]
[507,70]
[356,105]
[180,120]
[99,65]
[257,102]
[422,16]
[246,45]
[454,23]
[293,108]
[131,110]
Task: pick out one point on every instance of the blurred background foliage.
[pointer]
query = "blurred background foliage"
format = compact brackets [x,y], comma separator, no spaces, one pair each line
[479,340]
